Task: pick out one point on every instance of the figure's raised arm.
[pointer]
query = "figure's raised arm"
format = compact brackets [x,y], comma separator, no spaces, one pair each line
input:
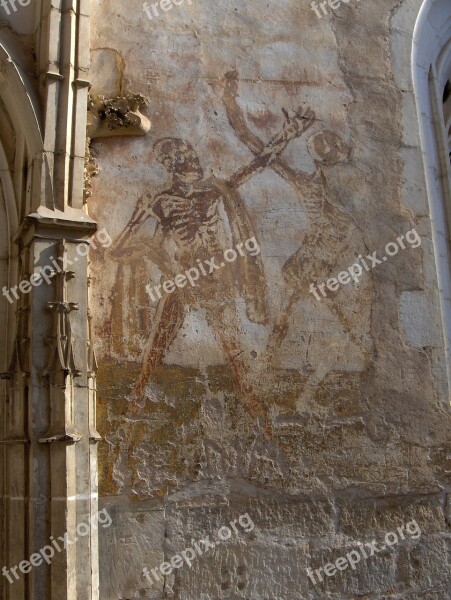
[294,126]
[304,183]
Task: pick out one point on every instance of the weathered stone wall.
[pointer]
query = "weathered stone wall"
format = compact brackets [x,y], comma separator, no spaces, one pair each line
[325,420]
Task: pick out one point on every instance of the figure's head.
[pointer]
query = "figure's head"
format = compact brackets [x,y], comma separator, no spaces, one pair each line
[179,158]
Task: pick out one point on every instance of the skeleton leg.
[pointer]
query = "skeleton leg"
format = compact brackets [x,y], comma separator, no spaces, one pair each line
[167,322]
[224,324]
[280,329]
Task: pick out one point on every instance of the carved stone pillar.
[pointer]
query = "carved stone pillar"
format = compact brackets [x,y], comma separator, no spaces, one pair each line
[17,438]
[49,439]
[50,435]
[63,445]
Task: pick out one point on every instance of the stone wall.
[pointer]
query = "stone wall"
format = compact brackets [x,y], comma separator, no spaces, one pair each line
[325,420]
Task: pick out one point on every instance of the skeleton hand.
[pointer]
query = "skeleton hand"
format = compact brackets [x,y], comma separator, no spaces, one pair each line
[126,244]
[293,127]
[135,247]
[297,124]
[144,206]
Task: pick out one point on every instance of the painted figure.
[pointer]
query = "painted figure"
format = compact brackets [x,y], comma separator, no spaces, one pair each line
[188,215]
[331,233]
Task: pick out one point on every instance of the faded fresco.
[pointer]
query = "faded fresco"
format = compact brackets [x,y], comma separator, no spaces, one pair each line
[225,384]
[189,213]
[195,219]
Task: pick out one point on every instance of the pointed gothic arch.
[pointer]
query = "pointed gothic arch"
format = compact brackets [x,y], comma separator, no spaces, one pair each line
[21,151]
[431,70]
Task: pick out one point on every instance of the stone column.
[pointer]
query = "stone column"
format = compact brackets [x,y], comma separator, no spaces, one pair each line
[49,439]
[16,441]
[50,434]
[59,413]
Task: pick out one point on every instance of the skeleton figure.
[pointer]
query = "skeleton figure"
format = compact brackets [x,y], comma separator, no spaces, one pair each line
[331,231]
[189,215]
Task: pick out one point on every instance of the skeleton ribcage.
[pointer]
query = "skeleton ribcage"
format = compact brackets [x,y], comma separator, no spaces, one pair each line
[193,220]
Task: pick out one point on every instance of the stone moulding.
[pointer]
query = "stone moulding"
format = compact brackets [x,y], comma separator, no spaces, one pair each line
[108,117]
[94,435]
[18,373]
[117,116]
[61,369]
[91,169]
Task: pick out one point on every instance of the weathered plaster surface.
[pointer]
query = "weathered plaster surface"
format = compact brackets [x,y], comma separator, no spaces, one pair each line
[350,442]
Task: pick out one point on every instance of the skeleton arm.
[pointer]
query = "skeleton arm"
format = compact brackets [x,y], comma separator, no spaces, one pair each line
[304,183]
[293,127]
[126,241]
[129,244]
[151,247]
